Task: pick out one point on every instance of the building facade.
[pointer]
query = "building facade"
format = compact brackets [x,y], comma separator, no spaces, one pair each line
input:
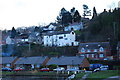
[60,39]
[95,50]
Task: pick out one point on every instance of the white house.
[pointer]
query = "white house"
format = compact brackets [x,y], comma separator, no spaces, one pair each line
[66,38]
[74,26]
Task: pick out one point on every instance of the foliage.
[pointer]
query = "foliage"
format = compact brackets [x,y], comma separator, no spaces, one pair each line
[94,13]
[13,33]
[65,17]
[53,53]
[52,66]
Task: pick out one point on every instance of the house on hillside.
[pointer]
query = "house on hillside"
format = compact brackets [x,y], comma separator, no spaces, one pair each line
[66,38]
[74,26]
[8,61]
[95,50]
[69,62]
[31,62]
[35,38]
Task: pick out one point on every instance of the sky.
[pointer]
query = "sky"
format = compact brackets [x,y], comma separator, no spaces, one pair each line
[19,13]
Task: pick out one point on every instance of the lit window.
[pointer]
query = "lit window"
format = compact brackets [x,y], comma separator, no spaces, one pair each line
[101,55]
[101,49]
[82,50]
[87,55]
[95,50]
[92,55]
[88,50]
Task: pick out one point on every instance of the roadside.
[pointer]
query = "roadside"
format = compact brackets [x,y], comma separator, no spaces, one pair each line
[113,78]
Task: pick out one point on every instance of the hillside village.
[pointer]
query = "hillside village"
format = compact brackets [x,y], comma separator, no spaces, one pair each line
[79,37]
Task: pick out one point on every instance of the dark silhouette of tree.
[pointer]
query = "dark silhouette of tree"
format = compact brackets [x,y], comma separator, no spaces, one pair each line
[60,16]
[86,12]
[77,17]
[64,17]
[94,13]
[13,32]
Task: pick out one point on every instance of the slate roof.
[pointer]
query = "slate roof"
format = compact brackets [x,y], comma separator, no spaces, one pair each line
[57,33]
[94,45]
[74,60]
[30,60]
[7,60]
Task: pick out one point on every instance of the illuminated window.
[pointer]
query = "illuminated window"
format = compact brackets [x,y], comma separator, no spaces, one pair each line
[82,50]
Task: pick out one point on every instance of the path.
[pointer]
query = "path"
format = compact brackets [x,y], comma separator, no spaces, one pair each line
[85,76]
[113,78]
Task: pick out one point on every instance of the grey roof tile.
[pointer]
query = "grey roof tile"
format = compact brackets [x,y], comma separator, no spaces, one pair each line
[73,60]
[7,60]
[30,60]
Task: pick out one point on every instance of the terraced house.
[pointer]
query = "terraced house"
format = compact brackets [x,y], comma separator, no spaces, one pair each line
[31,62]
[95,50]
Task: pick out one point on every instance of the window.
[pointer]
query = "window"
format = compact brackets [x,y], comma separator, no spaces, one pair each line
[88,50]
[64,35]
[95,50]
[82,50]
[101,49]
[73,33]
[92,55]
[65,38]
[101,55]
[87,55]
[61,37]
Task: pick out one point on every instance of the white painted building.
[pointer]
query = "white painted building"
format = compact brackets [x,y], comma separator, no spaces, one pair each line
[74,26]
[60,39]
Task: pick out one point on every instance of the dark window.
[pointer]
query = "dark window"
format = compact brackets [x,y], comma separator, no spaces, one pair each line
[72,32]
[60,37]
[65,38]
[64,35]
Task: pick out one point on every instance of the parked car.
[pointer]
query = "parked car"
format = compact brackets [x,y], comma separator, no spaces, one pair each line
[104,67]
[18,69]
[59,69]
[45,69]
[72,69]
[6,69]
[101,68]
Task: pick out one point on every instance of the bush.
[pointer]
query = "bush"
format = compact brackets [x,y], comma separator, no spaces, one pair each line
[52,66]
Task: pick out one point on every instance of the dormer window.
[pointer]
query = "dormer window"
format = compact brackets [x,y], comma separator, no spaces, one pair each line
[88,50]
[101,49]
[95,50]
[82,50]
[86,45]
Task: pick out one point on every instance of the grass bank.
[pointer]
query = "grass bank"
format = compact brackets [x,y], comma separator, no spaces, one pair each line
[103,74]
[79,76]
[31,73]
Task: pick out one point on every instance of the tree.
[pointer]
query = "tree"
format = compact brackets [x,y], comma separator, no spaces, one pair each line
[64,17]
[87,12]
[94,13]
[13,32]
[76,17]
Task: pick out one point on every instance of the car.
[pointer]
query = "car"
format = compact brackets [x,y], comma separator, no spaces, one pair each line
[102,68]
[59,69]
[18,69]
[45,69]
[72,69]
[6,69]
